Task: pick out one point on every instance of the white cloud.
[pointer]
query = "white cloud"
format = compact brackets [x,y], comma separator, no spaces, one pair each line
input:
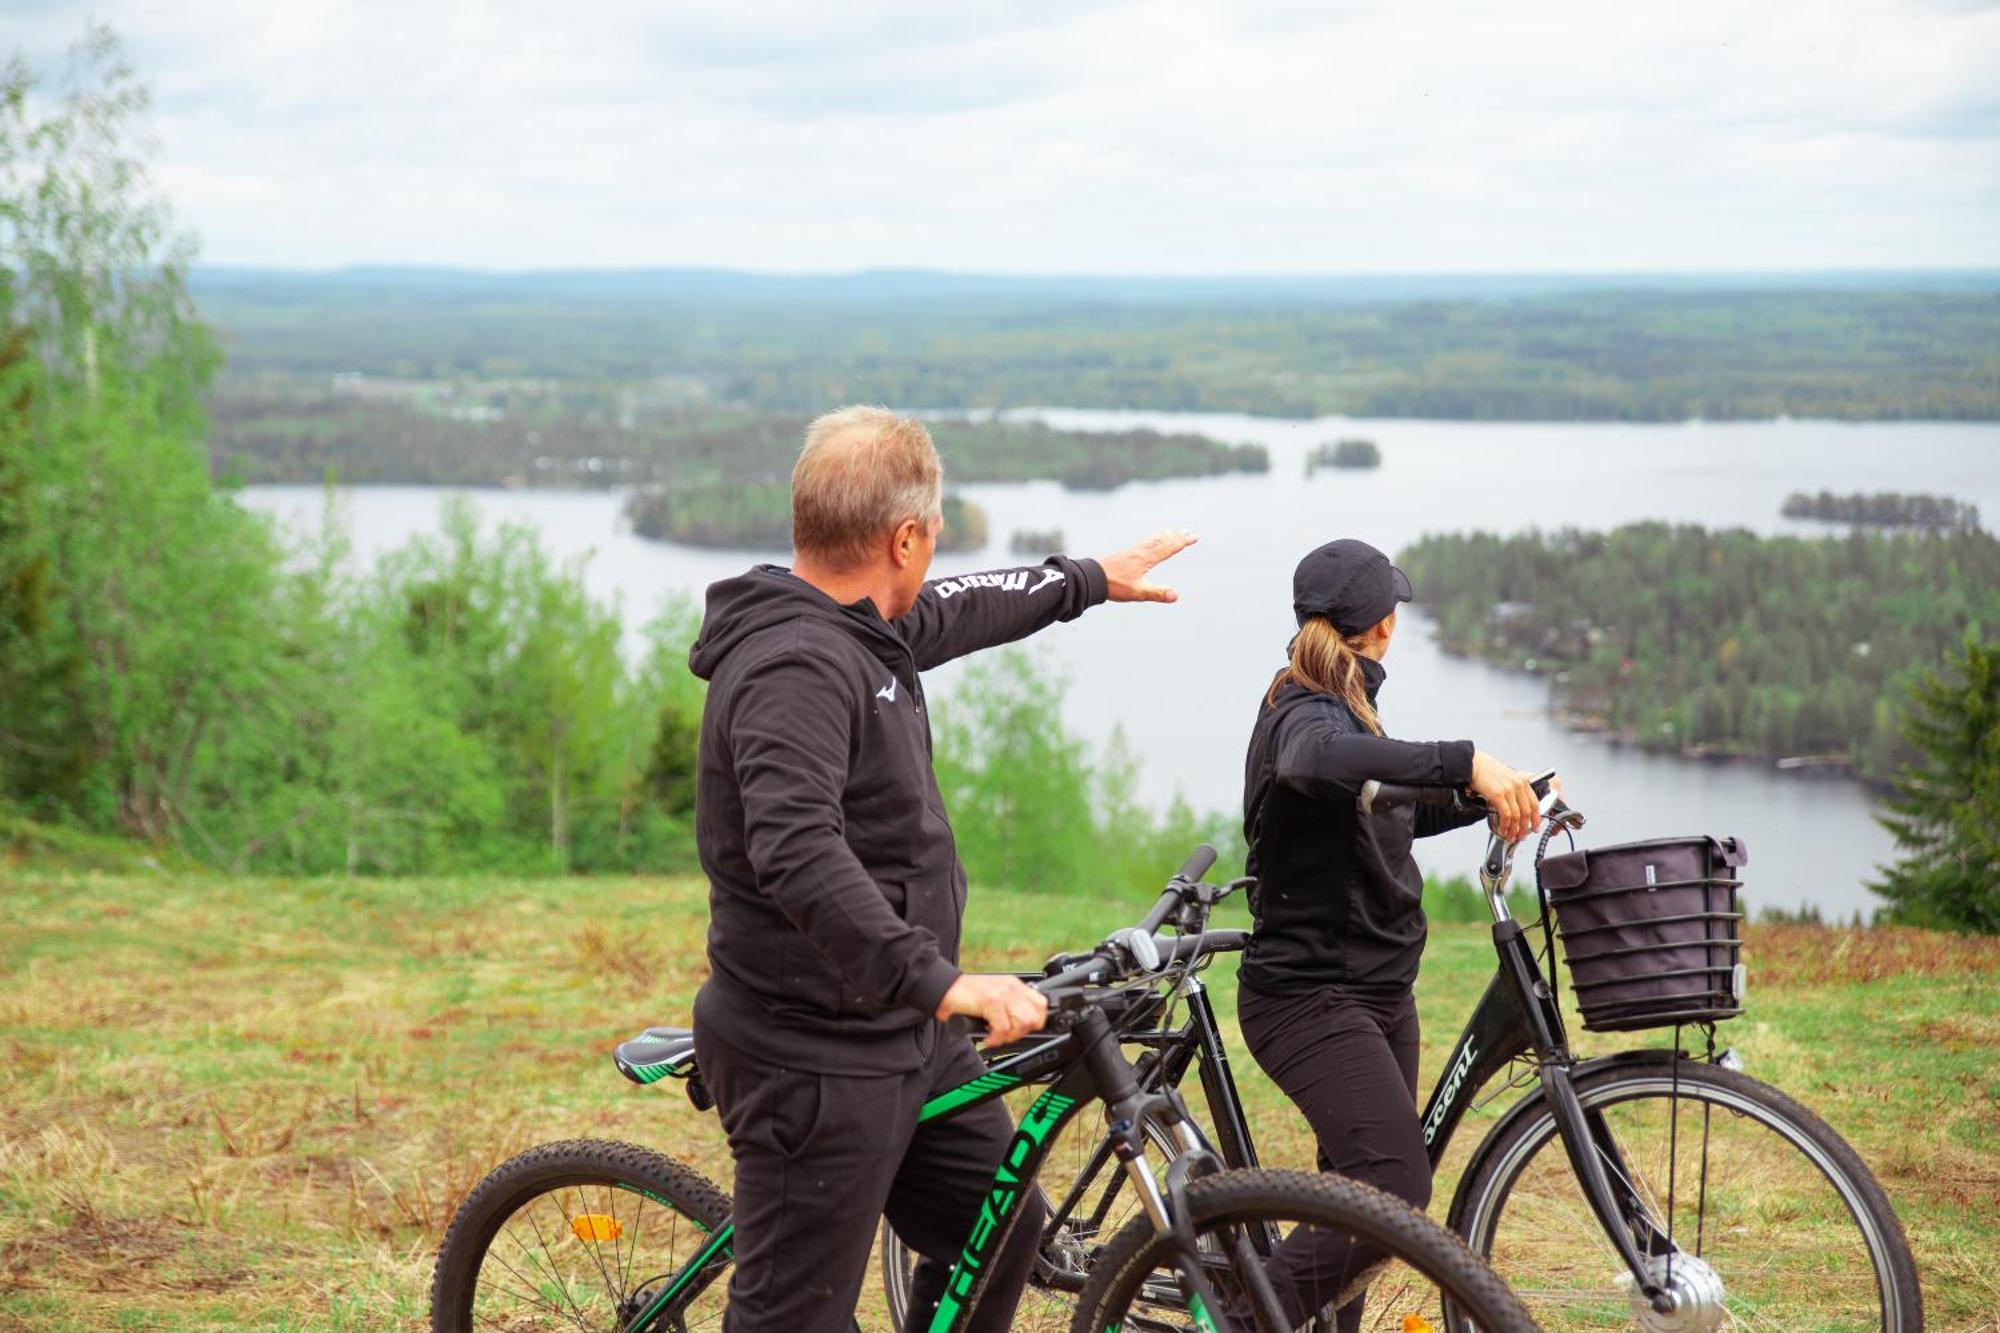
[1277,136]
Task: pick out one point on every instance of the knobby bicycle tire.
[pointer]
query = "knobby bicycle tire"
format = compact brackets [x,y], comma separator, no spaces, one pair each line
[1783,1254]
[506,1256]
[1442,1266]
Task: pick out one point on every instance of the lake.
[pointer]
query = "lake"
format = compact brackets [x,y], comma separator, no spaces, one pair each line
[1184,681]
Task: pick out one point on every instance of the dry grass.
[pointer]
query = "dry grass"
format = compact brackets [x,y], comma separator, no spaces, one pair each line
[254,1103]
[1843,954]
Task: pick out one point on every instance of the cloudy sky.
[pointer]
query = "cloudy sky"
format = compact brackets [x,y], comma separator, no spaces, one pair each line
[1253,136]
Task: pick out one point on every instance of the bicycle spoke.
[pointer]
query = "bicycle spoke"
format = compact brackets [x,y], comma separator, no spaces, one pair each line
[561,1285]
[590,1247]
[533,1292]
[1772,1236]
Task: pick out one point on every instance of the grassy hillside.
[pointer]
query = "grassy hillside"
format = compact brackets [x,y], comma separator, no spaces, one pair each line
[254,1103]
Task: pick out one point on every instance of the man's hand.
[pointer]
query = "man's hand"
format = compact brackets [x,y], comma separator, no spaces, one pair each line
[1125,571]
[1508,793]
[1009,1007]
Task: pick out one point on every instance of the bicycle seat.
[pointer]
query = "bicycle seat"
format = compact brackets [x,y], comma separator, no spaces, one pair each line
[655,1054]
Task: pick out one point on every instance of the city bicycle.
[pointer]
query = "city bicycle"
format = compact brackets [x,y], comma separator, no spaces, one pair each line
[1655,1188]
[596,1235]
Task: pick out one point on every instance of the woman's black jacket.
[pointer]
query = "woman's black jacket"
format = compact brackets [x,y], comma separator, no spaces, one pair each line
[1339,899]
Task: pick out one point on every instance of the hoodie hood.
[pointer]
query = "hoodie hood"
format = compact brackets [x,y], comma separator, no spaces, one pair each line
[768,595]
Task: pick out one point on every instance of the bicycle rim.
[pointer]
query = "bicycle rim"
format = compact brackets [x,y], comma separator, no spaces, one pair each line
[585,1238]
[1425,1267]
[1774,1223]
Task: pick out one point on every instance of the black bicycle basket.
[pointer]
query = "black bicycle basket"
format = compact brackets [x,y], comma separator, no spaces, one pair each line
[1651,930]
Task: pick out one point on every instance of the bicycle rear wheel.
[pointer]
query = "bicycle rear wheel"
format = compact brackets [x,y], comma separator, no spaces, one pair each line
[1133,1288]
[1775,1221]
[586,1234]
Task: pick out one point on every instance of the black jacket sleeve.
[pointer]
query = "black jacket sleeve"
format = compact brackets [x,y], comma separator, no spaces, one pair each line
[791,724]
[1435,819]
[961,615]
[1318,752]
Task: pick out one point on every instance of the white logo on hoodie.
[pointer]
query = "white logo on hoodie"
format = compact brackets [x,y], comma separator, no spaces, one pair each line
[1013,580]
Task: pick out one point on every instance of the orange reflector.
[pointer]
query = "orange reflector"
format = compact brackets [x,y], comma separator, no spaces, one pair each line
[596,1226]
[1416,1323]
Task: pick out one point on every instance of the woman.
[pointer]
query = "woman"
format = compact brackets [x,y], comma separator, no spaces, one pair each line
[1325,992]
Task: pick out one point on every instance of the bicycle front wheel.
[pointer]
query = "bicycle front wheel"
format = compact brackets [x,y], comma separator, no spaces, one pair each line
[582,1236]
[1775,1222]
[1235,1215]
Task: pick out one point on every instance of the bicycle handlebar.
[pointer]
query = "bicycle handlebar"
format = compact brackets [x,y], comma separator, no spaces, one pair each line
[1388,795]
[1375,796]
[1197,864]
[1191,871]
[1121,956]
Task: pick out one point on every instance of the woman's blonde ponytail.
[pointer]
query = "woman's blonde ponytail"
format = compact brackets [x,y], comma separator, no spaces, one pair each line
[1322,660]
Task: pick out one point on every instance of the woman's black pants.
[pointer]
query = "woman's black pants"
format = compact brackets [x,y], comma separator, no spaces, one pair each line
[1349,1061]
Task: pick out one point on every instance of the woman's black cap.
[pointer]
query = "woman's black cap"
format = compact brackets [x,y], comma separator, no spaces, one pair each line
[1350,583]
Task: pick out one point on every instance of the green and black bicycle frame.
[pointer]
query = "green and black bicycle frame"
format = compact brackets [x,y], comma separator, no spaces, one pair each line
[1518,1017]
[1080,1066]
[1168,1054]
[1083,1065]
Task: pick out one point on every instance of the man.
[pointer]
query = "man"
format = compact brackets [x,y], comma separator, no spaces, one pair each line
[836,892]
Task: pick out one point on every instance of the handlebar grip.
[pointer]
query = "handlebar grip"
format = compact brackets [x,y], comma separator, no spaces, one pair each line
[1192,869]
[1095,968]
[1197,863]
[1213,941]
[958,1025]
[1376,796]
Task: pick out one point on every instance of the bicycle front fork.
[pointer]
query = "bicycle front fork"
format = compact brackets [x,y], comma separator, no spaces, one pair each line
[1619,1211]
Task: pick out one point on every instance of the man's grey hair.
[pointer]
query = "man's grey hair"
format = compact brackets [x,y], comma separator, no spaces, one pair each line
[862,472]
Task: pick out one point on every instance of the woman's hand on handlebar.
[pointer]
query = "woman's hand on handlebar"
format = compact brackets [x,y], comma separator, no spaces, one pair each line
[1008,1006]
[1507,793]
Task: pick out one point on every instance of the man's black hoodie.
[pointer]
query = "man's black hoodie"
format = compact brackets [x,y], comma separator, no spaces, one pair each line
[835,890]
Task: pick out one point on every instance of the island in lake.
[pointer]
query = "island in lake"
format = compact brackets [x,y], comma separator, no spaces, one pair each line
[1884,509]
[757,516]
[701,474]
[1351,454]
[1718,642]
[1036,542]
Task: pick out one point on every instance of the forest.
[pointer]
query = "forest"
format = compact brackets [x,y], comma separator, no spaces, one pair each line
[1723,642]
[176,671]
[1840,346]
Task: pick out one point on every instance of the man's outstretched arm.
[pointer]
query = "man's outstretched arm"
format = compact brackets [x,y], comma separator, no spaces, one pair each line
[960,615]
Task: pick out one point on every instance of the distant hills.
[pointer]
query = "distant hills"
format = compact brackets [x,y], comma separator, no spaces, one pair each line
[1636,347]
[887,285]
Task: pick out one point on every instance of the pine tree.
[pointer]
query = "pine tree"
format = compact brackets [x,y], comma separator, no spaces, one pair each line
[1946,808]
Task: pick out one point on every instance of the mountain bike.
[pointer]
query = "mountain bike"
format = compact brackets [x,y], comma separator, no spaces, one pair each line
[1661,1189]
[1096,1202]
[596,1235]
